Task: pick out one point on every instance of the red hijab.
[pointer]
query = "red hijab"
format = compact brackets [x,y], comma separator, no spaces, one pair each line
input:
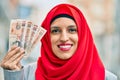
[85,64]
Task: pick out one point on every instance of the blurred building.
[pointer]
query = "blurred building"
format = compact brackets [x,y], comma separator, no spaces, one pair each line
[99,13]
[103,18]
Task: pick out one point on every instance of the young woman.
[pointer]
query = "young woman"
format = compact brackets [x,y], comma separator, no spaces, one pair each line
[68,51]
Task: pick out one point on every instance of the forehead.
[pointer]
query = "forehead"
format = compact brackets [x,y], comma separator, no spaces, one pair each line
[62,15]
[63,21]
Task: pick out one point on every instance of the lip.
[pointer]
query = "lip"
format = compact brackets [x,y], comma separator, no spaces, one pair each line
[64,47]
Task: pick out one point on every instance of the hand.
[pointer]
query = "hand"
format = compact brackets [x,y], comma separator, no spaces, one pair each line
[12,59]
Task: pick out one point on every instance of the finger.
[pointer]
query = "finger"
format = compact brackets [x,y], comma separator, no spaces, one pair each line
[17,60]
[19,65]
[17,68]
[13,65]
[7,62]
[16,55]
[12,48]
[5,65]
[11,53]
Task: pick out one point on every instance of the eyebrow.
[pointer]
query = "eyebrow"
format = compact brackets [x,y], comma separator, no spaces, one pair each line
[72,26]
[56,27]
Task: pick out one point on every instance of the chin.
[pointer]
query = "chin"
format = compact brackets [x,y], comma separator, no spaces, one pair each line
[64,57]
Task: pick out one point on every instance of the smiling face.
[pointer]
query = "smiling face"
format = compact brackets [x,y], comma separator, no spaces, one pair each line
[64,37]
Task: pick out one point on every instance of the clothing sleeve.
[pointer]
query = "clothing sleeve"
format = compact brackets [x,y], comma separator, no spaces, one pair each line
[26,73]
[110,76]
[14,75]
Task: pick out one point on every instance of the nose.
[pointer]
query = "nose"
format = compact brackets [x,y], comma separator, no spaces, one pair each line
[64,37]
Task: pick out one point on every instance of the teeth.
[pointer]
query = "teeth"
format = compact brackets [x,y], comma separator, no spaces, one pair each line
[67,46]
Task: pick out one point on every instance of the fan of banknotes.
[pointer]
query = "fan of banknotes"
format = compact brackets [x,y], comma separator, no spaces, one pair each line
[25,34]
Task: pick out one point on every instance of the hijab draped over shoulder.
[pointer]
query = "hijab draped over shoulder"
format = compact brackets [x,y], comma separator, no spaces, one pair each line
[85,64]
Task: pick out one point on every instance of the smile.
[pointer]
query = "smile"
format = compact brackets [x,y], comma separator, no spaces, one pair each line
[65,47]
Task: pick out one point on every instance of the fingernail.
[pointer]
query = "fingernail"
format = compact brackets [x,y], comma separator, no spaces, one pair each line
[21,49]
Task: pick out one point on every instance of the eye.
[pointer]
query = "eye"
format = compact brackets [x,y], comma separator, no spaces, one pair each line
[55,31]
[72,30]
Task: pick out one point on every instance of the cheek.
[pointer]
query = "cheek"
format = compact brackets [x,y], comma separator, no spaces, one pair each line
[54,40]
[75,39]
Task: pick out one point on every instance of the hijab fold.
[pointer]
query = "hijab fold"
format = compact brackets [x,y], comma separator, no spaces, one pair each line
[85,64]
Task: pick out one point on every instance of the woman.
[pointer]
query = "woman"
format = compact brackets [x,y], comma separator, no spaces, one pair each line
[68,51]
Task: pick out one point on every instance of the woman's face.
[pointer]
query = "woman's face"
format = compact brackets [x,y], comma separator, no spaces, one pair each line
[64,37]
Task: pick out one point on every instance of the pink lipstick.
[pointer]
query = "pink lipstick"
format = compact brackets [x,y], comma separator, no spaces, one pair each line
[65,47]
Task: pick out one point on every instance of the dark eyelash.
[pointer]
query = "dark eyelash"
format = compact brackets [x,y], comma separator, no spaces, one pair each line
[55,31]
[72,30]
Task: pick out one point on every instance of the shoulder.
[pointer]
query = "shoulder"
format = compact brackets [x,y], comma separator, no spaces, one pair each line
[30,67]
[29,71]
[110,76]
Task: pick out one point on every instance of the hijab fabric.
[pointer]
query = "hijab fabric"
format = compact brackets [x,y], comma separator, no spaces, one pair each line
[85,64]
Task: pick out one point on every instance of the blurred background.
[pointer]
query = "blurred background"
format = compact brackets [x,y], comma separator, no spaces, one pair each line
[103,17]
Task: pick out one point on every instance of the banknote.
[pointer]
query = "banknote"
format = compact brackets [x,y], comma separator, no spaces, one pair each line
[34,30]
[15,33]
[39,34]
[22,40]
[25,34]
